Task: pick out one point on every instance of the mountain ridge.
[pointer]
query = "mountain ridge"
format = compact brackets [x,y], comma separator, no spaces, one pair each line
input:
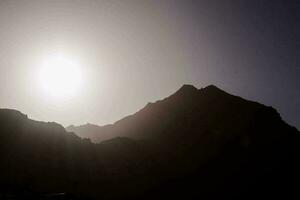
[195,143]
[185,95]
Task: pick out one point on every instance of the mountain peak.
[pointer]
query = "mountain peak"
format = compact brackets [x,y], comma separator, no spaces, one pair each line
[212,87]
[190,88]
[186,88]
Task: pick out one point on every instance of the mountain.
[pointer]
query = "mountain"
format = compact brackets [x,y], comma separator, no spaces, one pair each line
[196,143]
[187,111]
[94,132]
[34,155]
[41,159]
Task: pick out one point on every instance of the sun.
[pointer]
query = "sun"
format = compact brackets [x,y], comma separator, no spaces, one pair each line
[60,77]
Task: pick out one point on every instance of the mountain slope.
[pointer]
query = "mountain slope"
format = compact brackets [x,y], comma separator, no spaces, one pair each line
[215,137]
[39,159]
[193,144]
[188,111]
[34,154]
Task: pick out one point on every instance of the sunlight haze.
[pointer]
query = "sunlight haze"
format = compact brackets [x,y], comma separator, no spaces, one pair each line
[120,55]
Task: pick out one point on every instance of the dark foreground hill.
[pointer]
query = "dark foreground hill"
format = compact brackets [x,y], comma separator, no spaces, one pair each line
[194,144]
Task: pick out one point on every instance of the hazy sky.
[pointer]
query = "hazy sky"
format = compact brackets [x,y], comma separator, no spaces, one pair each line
[134,52]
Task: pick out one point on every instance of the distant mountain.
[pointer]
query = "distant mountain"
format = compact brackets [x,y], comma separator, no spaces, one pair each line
[187,111]
[94,132]
[196,143]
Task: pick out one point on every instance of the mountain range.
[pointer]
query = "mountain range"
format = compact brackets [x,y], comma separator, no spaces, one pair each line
[197,143]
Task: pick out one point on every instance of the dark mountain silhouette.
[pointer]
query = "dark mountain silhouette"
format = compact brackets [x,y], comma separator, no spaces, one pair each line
[195,143]
[187,111]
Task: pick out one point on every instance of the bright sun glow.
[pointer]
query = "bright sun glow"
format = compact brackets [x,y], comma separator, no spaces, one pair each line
[60,76]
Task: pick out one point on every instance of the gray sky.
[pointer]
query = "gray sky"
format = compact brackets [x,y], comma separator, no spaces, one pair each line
[134,52]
